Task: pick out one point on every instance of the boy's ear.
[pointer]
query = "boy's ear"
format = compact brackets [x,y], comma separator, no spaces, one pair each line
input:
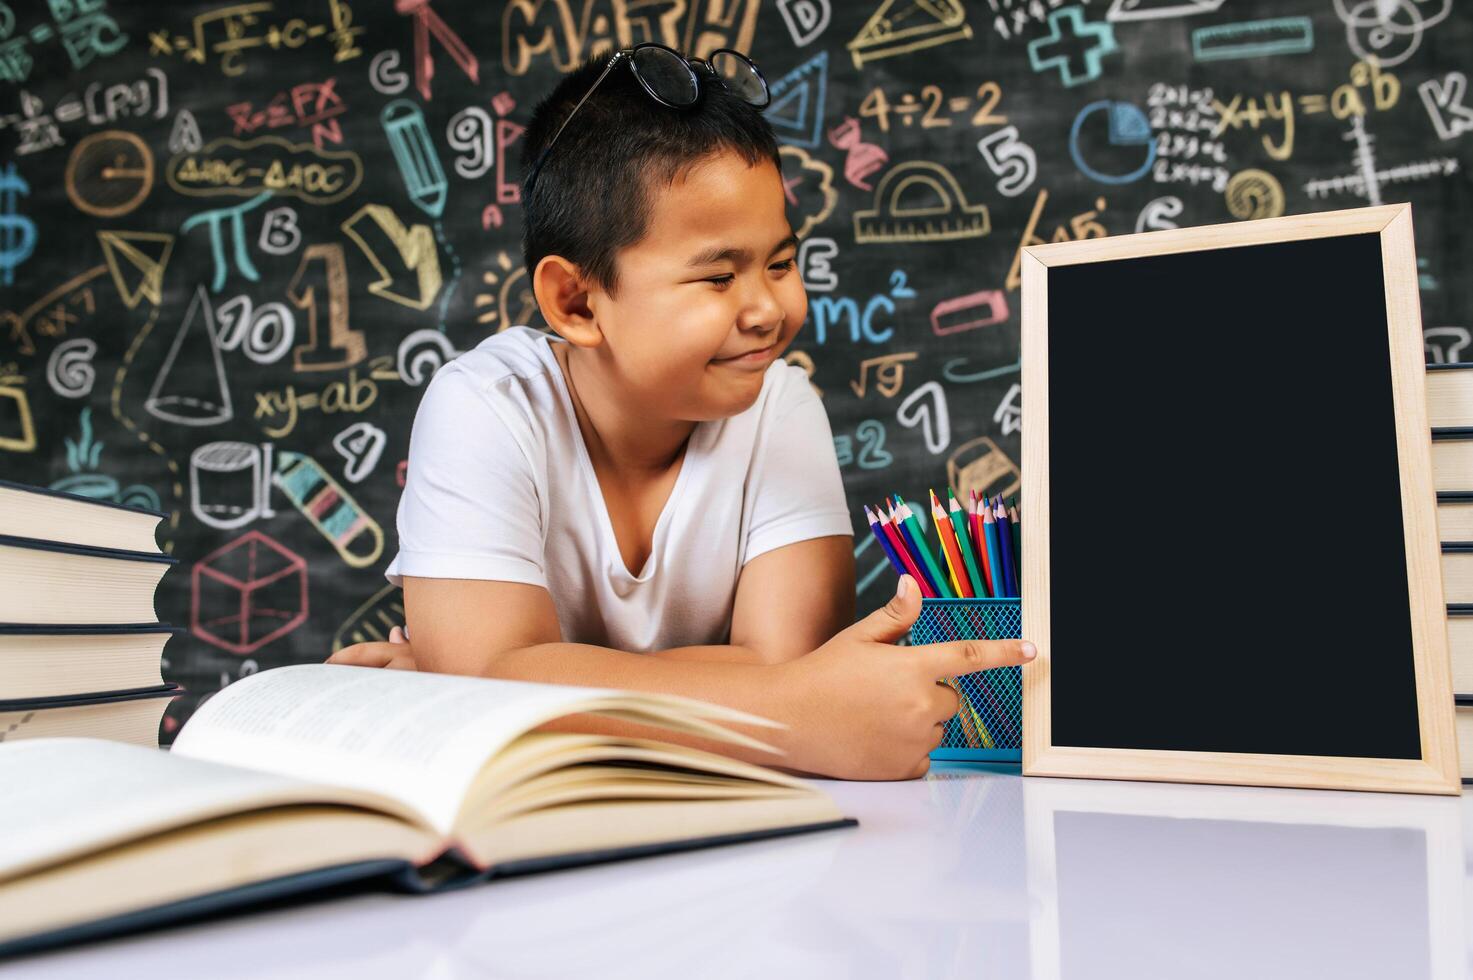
[563,299]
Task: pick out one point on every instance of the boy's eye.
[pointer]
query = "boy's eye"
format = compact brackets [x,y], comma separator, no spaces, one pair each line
[721,281]
[784,265]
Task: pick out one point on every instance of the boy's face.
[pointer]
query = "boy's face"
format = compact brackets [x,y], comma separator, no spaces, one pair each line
[714,276]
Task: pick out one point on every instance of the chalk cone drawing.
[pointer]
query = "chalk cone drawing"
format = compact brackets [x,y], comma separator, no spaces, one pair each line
[190,388]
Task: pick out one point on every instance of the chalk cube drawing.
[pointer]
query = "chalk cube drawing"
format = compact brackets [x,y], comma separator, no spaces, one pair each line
[248,593]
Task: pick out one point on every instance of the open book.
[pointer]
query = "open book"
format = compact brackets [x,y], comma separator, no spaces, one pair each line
[307,776]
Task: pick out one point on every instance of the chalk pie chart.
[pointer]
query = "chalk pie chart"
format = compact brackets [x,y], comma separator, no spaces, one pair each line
[1111,142]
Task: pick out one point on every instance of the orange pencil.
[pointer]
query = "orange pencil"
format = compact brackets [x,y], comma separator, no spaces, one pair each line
[952,549]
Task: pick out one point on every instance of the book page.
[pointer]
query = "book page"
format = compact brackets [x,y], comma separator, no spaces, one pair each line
[419,737]
[69,796]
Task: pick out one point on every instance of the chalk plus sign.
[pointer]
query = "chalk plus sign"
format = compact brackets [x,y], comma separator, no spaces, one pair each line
[1060,51]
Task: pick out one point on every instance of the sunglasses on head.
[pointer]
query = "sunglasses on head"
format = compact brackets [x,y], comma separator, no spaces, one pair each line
[672,80]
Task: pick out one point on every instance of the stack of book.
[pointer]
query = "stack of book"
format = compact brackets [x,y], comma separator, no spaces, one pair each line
[80,643]
[1450,413]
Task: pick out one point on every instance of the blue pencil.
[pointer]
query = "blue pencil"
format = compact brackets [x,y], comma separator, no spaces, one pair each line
[874,526]
[1005,545]
[994,552]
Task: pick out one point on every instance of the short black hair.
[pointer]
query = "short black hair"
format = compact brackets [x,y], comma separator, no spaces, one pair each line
[594,192]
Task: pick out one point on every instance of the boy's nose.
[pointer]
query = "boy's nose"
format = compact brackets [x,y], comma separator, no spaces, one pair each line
[761,309]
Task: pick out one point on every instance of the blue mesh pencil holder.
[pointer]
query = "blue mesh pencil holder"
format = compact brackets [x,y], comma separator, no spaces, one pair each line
[989,725]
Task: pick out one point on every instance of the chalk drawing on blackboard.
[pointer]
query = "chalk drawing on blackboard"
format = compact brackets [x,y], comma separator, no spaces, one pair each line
[805,19]
[919,201]
[1366,175]
[470,133]
[1009,414]
[17,427]
[814,255]
[796,111]
[1444,101]
[229,483]
[280,233]
[190,388]
[492,277]
[818,197]
[981,465]
[185,137]
[1390,30]
[962,313]
[52,313]
[926,407]
[213,219]
[421,354]
[1158,214]
[17,232]
[385,75]
[136,260]
[1253,194]
[861,159]
[83,463]
[264,335]
[69,369]
[245,168]
[1445,345]
[351,530]
[426,23]
[360,444]
[247,593]
[414,152]
[889,374]
[331,342]
[1253,39]
[1126,127]
[1060,48]
[109,174]
[1159,9]
[900,26]
[416,279]
[372,620]
[1014,161]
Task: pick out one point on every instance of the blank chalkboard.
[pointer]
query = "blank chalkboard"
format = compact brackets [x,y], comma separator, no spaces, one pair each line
[1240,584]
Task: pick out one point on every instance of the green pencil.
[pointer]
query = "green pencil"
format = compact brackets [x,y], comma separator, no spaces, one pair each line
[964,540]
[914,526]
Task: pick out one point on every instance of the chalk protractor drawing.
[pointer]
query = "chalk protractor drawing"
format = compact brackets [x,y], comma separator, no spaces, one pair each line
[920,201]
[900,26]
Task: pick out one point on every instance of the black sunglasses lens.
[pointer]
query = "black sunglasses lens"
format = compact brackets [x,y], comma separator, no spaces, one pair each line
[740,77]
[666,75]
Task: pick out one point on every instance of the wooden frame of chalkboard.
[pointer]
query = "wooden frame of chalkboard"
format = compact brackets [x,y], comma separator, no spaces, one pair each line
[1298,639]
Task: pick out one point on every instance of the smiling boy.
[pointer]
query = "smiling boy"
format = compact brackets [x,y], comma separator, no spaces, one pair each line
[649,498]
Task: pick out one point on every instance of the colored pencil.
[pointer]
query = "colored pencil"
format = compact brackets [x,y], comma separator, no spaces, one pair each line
[964,543]
[994,554]
[903,553]
[976,515]
[885,544]
[908,537]
[918,542]
[1005,546]
[1017,540]
[950,549]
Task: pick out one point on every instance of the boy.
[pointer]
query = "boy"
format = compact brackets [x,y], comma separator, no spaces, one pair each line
[650,499]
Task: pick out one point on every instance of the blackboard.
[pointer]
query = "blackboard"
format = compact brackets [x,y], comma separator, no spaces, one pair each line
[1248,571]
[155,349]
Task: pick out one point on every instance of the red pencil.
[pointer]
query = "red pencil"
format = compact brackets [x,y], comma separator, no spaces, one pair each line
[976,517]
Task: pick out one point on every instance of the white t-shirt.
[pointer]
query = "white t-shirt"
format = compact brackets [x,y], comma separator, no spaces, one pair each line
[500,486]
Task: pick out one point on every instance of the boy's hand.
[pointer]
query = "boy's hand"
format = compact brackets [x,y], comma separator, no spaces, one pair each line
[397,653]
[867,709]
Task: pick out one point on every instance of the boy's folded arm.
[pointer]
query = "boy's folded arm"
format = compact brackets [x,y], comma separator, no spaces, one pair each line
[509,630]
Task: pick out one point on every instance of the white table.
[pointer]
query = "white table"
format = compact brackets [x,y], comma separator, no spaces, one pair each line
[972,872]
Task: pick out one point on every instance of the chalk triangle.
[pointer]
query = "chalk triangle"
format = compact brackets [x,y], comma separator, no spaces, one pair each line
[136,260]
[796,112]
[898,26]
